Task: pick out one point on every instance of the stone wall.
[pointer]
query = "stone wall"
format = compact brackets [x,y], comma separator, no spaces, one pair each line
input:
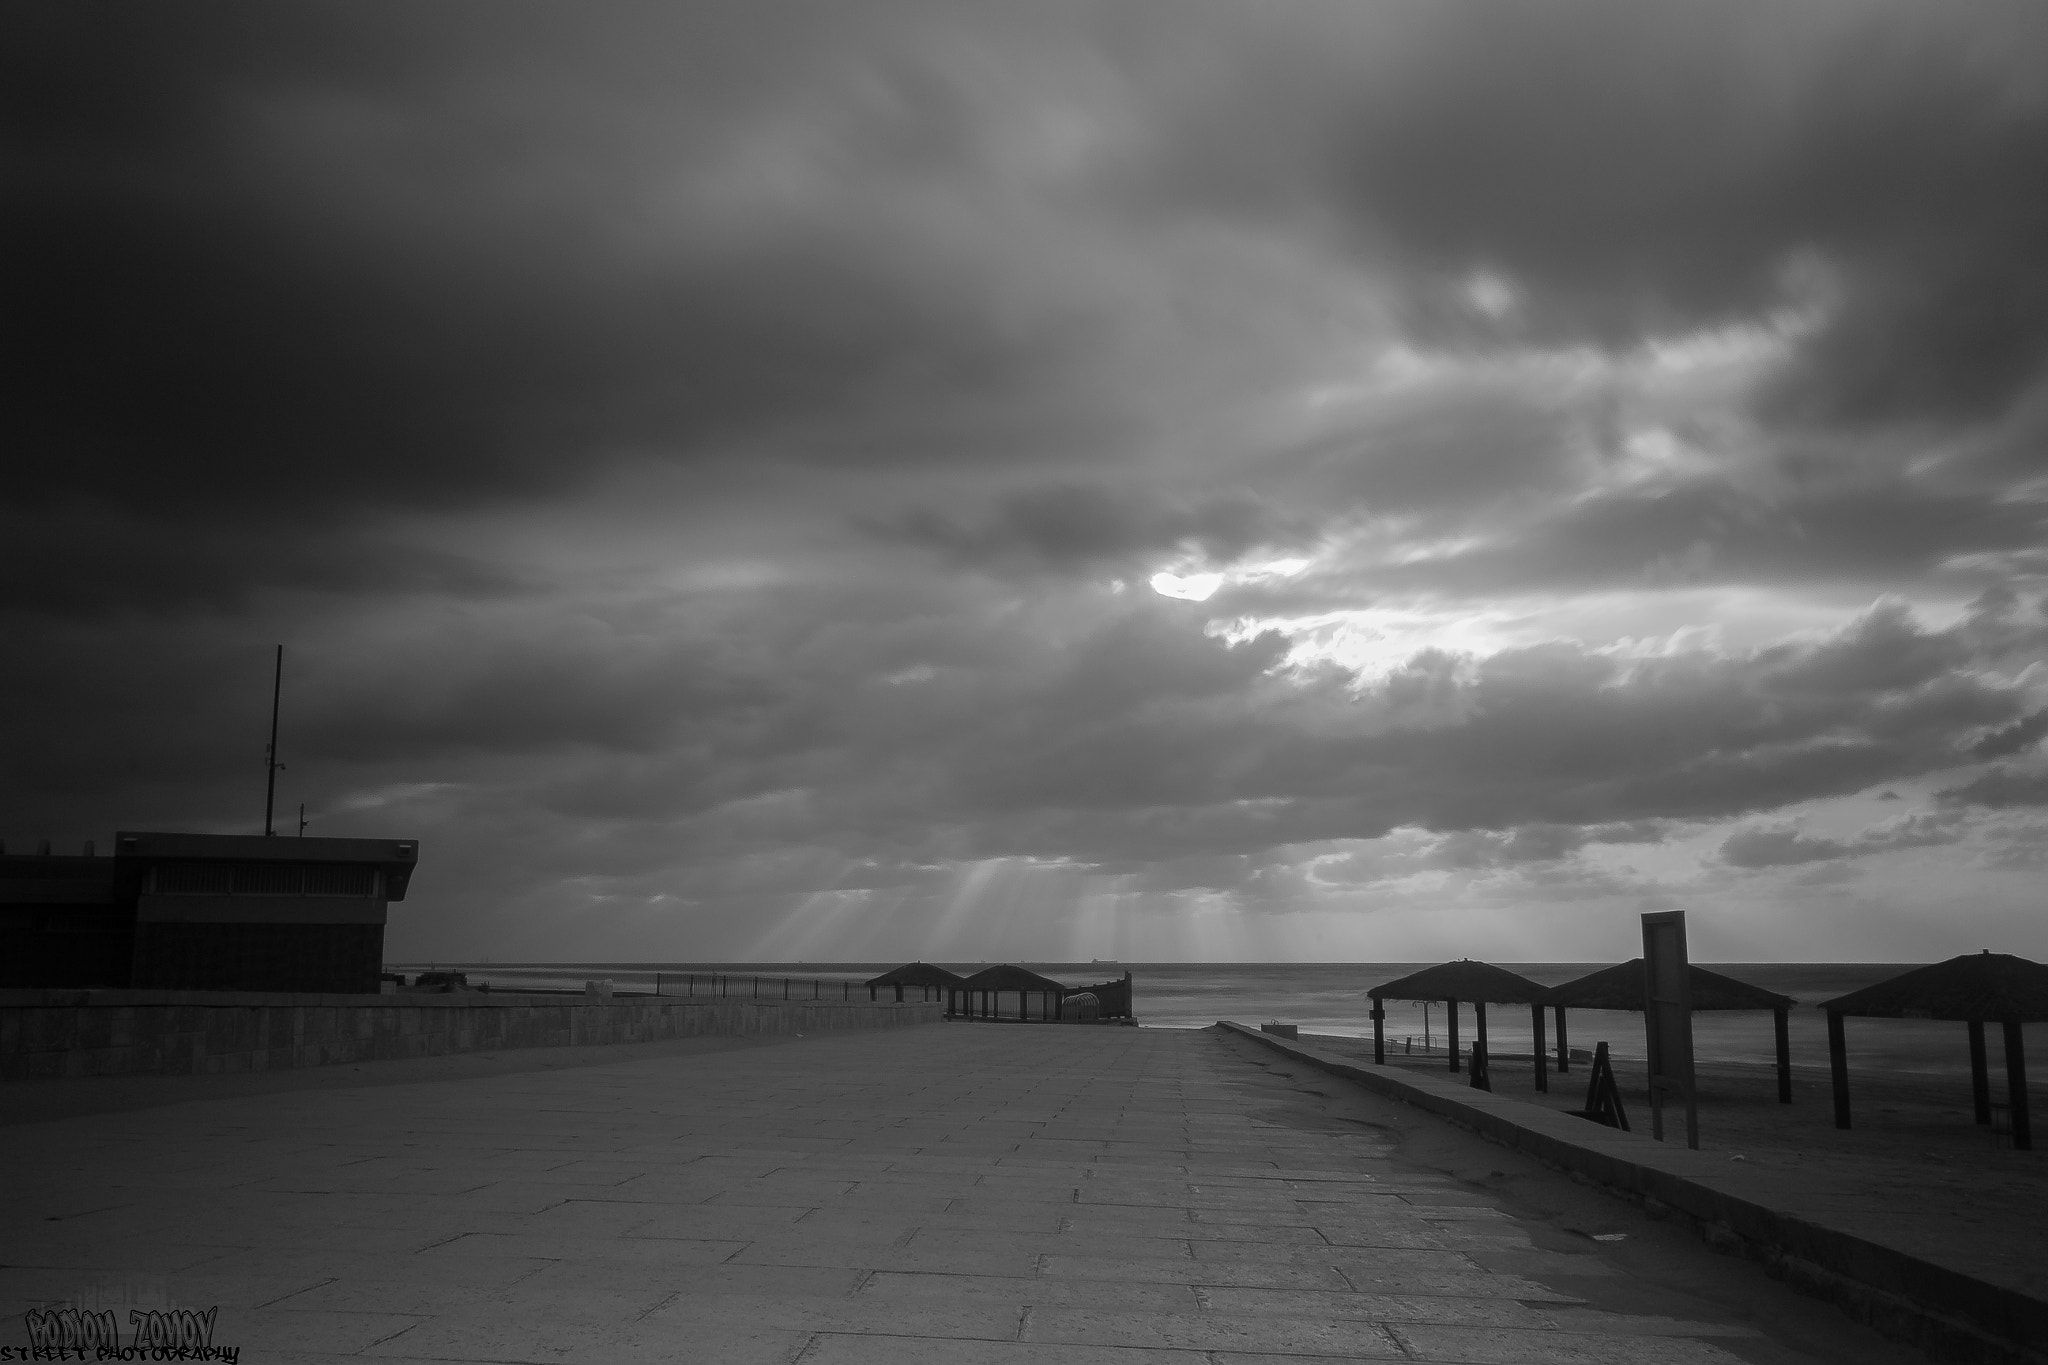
[168,1033]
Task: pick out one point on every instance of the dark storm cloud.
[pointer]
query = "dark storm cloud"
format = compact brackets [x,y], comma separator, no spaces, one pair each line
[1642,170]
[97,561]
[327,259]
[564,385]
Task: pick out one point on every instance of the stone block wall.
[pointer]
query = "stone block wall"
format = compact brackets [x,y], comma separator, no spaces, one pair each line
[47,1034]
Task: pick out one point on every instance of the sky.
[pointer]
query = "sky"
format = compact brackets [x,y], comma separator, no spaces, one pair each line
[976,481]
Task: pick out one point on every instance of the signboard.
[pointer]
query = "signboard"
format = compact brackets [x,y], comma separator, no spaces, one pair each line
[1667,1018]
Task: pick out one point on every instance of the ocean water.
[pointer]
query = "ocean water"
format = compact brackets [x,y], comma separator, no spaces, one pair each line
[1330,998]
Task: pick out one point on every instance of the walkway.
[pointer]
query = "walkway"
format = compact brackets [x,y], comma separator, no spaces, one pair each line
[972,1194]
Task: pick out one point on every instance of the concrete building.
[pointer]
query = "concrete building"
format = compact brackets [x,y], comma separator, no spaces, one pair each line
[220,912]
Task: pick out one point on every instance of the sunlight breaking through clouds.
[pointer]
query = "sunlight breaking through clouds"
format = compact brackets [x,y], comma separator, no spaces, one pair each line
[1268,480]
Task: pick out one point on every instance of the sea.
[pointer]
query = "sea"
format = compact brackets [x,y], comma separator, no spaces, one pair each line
[1330,998]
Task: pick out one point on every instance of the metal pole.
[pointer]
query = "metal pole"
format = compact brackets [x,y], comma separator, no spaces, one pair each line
[1838,1063]
[2016,1087]
[1980,1074]
[270,754]
[1781,1027]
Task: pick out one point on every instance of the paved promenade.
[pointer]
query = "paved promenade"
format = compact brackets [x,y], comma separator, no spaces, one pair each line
[957,1193]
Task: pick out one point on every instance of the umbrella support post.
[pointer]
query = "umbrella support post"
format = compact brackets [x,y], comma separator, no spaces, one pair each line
[1980,1073]
[1838,1063]
[1781,1025]
[2016,1086]
[1536,1027]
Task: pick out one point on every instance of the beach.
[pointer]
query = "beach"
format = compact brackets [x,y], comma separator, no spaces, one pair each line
[1913,1157]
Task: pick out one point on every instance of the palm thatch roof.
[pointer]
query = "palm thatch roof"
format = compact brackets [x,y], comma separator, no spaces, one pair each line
[917,974]
[1465,980]
[1009,978]
[1983,986]
[1620,987]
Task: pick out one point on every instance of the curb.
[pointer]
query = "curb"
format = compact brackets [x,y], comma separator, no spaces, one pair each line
[1953,1316]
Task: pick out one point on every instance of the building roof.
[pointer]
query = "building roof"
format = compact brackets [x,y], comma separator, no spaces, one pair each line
[397,857]
[916,974]
[1464,980]
[1009,978]
[1620,987]
[1982,986]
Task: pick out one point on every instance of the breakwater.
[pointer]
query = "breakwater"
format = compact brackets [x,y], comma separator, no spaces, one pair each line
[70,1033]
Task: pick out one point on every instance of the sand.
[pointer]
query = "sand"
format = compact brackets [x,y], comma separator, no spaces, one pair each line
[1914,1159]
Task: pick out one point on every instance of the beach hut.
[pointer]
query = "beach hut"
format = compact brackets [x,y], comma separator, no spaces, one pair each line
[1620,987]
[923,976]
[981,995]
[1977,988]
[1479,982]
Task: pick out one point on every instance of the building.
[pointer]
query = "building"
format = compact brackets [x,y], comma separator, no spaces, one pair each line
[221,912]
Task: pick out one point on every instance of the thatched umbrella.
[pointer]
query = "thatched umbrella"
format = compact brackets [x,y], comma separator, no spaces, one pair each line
[1620,987]
[991,982]
[1977,988]
[922,975]
[1450,982]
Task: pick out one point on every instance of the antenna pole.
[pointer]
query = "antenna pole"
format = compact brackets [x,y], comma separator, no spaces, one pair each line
[302,819]
[270,754]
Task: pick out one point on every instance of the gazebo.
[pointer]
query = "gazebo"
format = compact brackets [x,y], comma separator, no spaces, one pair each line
[922,975]
[981,995]
[1478,982]
[1620,987]
[1977,988]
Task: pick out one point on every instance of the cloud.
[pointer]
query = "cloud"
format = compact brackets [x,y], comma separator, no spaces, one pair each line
[711,459]
[1999,788]
[1785,846]
[1082,527]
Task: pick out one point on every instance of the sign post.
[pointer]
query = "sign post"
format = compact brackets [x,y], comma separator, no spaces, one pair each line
[1667,1018]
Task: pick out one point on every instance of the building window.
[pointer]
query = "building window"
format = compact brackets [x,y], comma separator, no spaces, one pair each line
[265,879]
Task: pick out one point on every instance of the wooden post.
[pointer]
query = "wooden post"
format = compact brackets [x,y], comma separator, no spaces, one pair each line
[1564,1052]
[1838,1062]
[1480,1060]
[1536,1029]
[1781,1023]
[2016,1086]
[1980,1073]
[1379,1033]
[1451,1009]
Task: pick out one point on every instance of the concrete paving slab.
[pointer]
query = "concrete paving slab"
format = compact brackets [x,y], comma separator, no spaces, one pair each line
[1497,1346]
[858,1350]
[1351,1339]
[949,1193]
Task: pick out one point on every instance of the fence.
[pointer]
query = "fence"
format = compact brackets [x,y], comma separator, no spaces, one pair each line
[727,986]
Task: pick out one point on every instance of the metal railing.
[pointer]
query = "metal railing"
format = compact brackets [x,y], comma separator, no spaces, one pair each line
[734,986]
[726,986]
